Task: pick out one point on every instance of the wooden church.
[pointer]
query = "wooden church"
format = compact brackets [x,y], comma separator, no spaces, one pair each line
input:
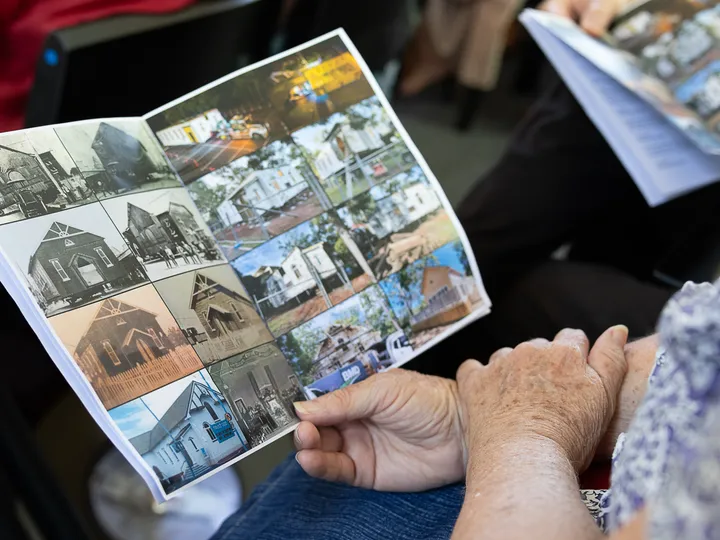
[227,316]
[73,265]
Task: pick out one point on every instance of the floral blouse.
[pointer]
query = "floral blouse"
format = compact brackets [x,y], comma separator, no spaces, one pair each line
[669,458]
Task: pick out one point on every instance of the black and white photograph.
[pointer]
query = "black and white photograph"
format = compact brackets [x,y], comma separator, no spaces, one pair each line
[38,176]
[71,258]
[260,388]
[117,156]
[126,345]
[355,150]
[214,312]
[303,272]
[165,231]
[346,344]
[258,197]
[183,430]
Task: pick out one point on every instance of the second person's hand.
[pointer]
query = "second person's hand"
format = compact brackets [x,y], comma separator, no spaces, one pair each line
[594,16]
[396,431]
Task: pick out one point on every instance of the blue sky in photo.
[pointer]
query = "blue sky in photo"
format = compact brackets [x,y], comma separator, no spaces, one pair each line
[686,91]
[134,418]
[270,253]
[445,255]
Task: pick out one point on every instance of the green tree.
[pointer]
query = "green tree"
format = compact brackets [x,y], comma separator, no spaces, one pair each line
[207,199]
[462,255]
[378,312]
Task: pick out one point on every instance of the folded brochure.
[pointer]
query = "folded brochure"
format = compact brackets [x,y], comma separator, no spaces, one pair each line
[270,237]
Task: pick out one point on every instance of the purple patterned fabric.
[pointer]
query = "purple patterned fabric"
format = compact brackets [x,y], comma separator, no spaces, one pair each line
[669,458]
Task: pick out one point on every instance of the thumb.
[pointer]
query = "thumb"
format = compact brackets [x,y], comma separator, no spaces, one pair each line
[598,16]
[345,404]
[607,358]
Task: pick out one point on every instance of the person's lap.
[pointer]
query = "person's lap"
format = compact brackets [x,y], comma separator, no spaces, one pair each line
[292,505]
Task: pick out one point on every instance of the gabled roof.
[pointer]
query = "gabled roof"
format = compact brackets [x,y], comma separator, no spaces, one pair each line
[178,411]
[110,307]
[203,283]
[57,231]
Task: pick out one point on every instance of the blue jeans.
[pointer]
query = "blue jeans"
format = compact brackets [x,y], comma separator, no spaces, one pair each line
[290,505]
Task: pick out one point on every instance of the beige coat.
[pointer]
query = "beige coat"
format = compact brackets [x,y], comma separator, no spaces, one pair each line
[471,34]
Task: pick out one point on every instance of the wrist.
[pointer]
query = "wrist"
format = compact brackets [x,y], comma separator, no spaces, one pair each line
[512,454]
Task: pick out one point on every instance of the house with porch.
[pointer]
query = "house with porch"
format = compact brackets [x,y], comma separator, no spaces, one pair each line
[196,434]
[450,296]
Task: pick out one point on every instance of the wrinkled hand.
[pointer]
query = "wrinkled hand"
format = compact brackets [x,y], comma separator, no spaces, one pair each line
[544,391]
[396,431]
[594,16]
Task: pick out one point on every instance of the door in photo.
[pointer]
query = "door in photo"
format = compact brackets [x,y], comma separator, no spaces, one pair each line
[88,271]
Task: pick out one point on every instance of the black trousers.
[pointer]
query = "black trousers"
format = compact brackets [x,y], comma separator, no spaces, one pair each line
[560,183]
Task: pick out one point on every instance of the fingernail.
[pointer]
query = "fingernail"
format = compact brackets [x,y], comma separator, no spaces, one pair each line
[296,458]
[300,407]
[296,436]
[619,334]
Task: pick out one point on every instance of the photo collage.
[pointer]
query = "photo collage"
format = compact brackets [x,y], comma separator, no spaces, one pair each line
[269,239]
[321,214]
[676,41]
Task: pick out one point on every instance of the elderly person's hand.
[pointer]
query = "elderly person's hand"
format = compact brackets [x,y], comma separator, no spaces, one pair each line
[551,392]
[397,431]
[594,16]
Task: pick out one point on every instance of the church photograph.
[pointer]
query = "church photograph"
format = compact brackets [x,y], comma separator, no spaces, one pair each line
[71,258]
[183,430]
[38,176]
[127,345]
[165,231]
[214,312]
[117,156]
[260,388]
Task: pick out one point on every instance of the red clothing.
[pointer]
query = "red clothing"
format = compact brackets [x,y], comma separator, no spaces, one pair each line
[24,25]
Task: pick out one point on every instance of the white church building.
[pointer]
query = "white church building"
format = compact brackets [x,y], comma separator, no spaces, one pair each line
[192,437]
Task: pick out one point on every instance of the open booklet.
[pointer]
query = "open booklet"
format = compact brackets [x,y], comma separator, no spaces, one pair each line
[661,53]
[272,236]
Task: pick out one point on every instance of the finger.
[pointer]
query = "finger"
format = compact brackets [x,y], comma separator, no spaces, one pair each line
[597,17]
[330,466]
[540,343]
[607,358]
[499,354]
[574,339]
[306,436]
[343,405]
[558,7]
[465,372]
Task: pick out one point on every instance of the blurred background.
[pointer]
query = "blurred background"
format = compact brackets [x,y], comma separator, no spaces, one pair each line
[459,85]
